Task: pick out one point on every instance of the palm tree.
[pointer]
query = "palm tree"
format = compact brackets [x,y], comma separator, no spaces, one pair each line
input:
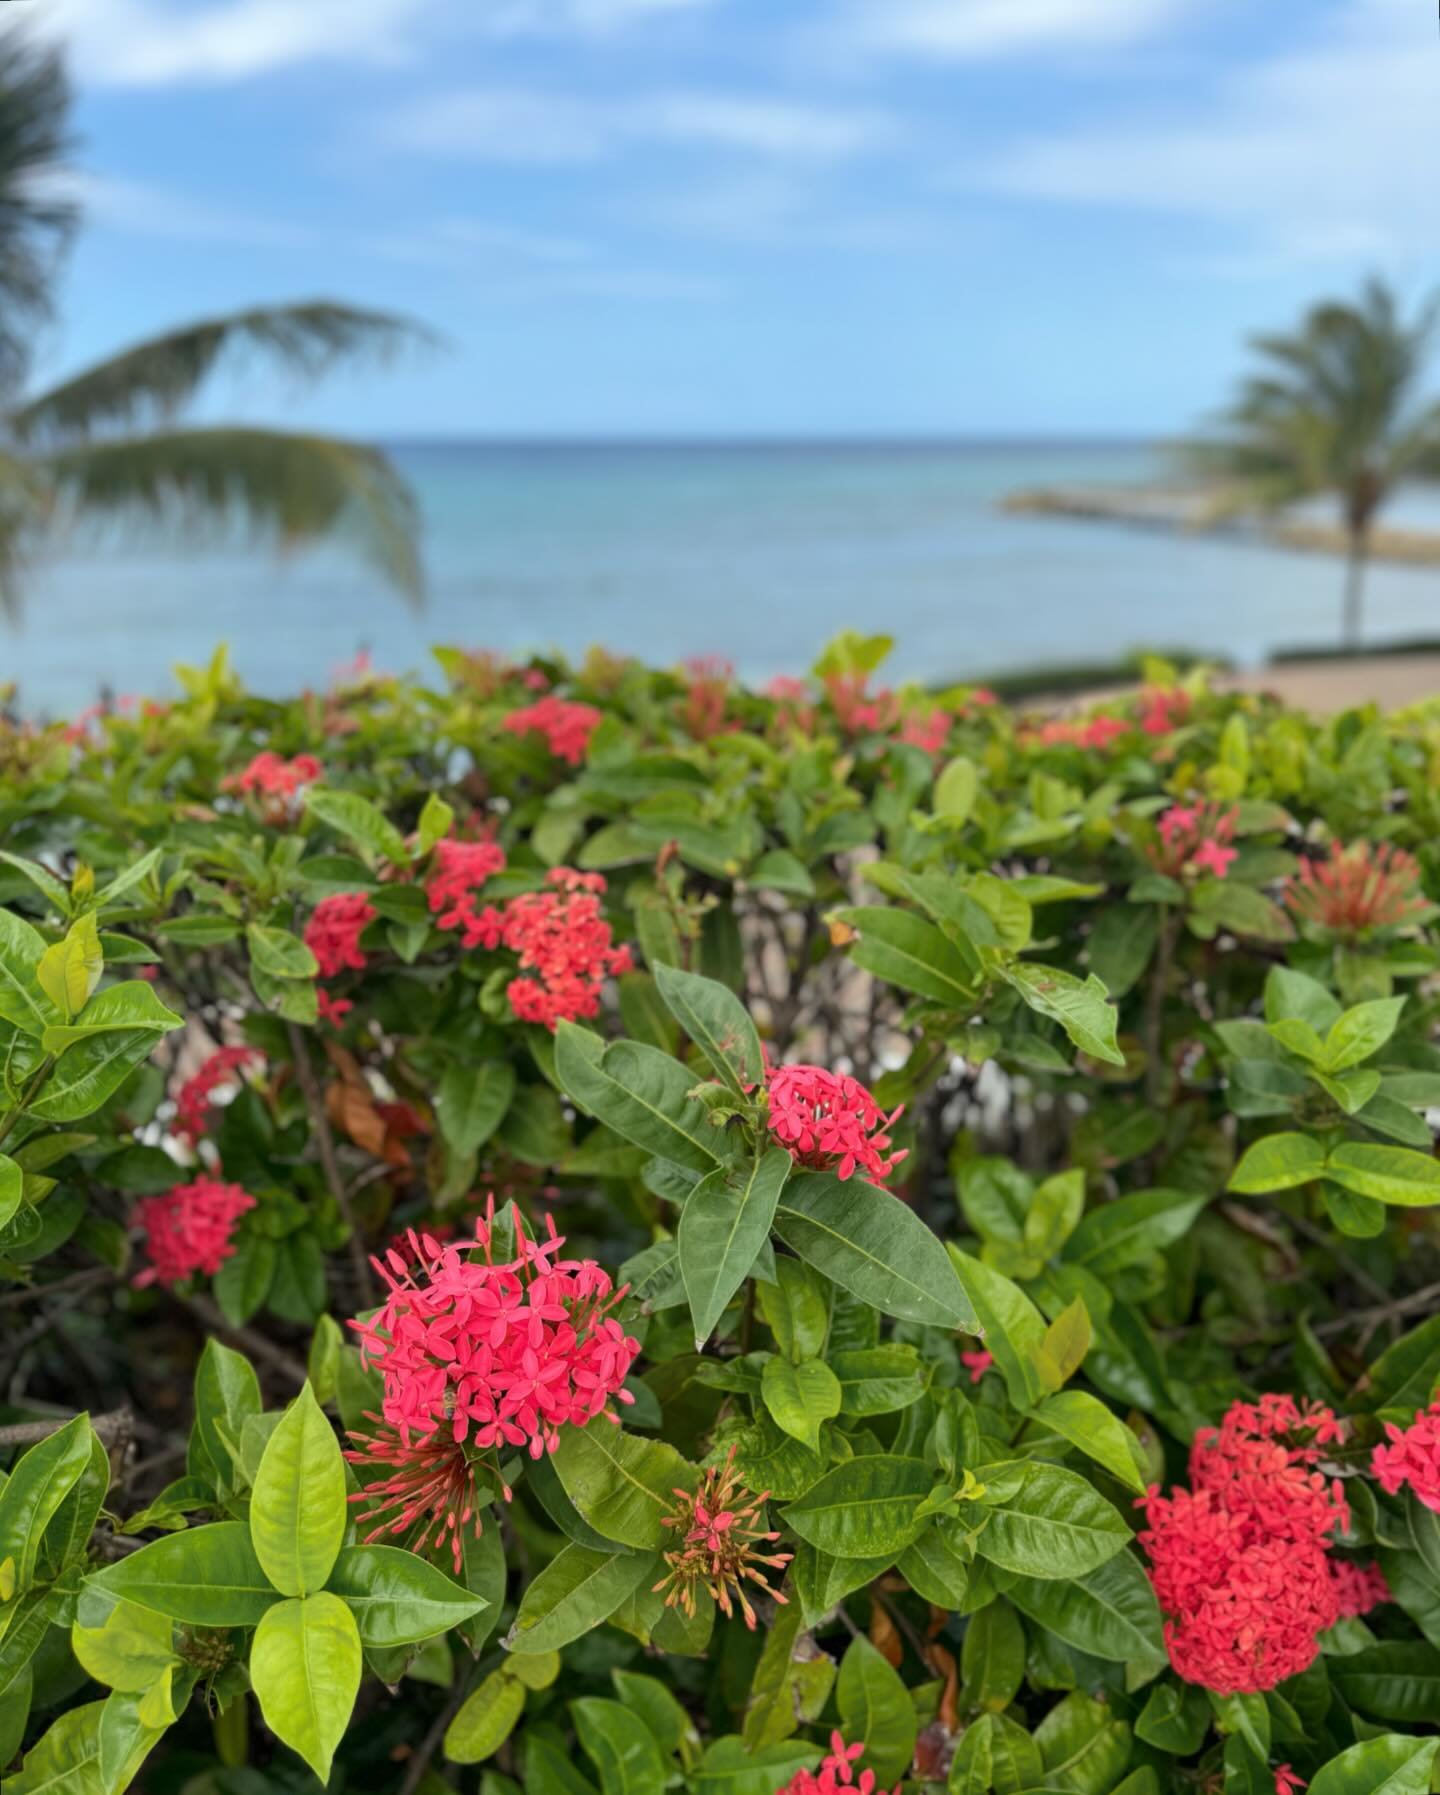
[105,444]
[1338,410]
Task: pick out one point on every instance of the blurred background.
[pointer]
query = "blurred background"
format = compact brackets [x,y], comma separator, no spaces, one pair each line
[713,327]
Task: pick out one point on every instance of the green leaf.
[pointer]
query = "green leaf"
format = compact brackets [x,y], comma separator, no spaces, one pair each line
[876,1710]
[130,1652]
[130,1005]
[1013,1327]
[1110,1612]
[1291,995]
[800,1397]
[796,1309]
[724,1224]
[21,999]
[66,1760]
[1083,1746]
[227,1394]
[487,1718]
[1085,1421]
[1055,1525]
[305,1665]
[575,1592]
[718,1023]
[40,1482]
[865,1508]
[1082,1008]
[205,1577]
[995,1753]
[1390,1765]
[906,951]
[356,818]
[1360,1032]
[641,1093]
[397,1597]
[298,1509]
[1129,1229]
[878,1380]
[89,1073]
[1279,1162]
[1388,1174]
[472,1102]
[279,954]
[993,1658]
[70,970]
[620,1745]
[1175,1719]
[779,870]
[1054,1213]
[1399,1680]
[873,1245]
[956,789]
[621,1484]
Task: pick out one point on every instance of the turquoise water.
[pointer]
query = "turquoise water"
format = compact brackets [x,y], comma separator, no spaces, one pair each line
[758,553]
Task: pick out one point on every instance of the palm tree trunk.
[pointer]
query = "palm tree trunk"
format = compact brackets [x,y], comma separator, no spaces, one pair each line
[1355,586]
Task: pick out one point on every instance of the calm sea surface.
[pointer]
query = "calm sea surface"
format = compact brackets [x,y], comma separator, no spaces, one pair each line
[758,553]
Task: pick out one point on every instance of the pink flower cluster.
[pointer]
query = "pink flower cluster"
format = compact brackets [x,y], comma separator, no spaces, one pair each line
[1196,838]
[189,1229]
[461,868]
[828,1121]
[566,726]
[1412,1457]
[565,946]
[930,732]
[1073,732]
[275,780]
[502,1353]
[1241,1563]
[1163,708]
[334,930]
[710,679]
[1356,890]
[836,1772]
[977,1363]
[1287,1782]
[226,1066]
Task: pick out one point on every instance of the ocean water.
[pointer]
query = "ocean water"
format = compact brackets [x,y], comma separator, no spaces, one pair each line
[758,553]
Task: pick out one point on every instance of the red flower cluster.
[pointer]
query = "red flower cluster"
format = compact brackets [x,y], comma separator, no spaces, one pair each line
[565,946]
[1356,890]
[1163,708]
[566,726]
[1412,1457]
[333,932]
[1286,1781]
[719,1529]
[792,703]
[431,1483]
[189,1229]
[504,1354]
[830,1122]
[859,711]
[706,697]
[1097,732]
[274,780]
[1241,1563]
[462,867]
[835,1773]
[1196,838]
[930,732]
[226,1066]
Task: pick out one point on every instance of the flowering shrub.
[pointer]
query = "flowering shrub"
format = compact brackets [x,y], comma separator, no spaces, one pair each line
[637,1235]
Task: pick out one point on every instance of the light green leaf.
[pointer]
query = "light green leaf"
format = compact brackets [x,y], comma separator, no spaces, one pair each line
[1391,1765]
[800,1397]
[487,1719]
[70,970]
[204,1577]
[955,792]
[130,1005]
[298,1509]
[907,951]
[1278,1162]
[1085,1421]
[1396,1175]
[32,1495]
[356,818]
[305,1665]
[1081,1007]
[1013,1327]
[1123,1232]
[397,1597]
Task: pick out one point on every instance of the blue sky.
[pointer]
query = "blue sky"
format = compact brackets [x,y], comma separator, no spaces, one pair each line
[753,216]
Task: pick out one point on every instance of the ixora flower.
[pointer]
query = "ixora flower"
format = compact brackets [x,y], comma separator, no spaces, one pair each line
[1357,891]
[189,1229]
[566,726]
[709,680]
[1241,1563]
[565,946]
[977,1363]
[275,780]
[828,1121]
[1195,838]
[194,1100]
[1286,1781]
[836,1772]
[500,1352]
[718,1531]
[420,1482]
[334,930]
[1412,1457]
[1163,708]
[461,869]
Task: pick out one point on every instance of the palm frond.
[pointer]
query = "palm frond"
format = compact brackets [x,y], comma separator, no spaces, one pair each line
[35,220]
[26,505]
[206,483]
[153,380]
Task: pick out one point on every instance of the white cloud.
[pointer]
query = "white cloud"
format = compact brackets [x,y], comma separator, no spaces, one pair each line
[1326,153]
[526,125]
[972,29]
[507,16]
[151,43]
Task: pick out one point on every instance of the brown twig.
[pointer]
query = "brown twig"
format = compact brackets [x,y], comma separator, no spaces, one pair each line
[111,1427]
[1370,1319]
[74,1285]
[254,1342]
[329,1161]
[420,1758]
